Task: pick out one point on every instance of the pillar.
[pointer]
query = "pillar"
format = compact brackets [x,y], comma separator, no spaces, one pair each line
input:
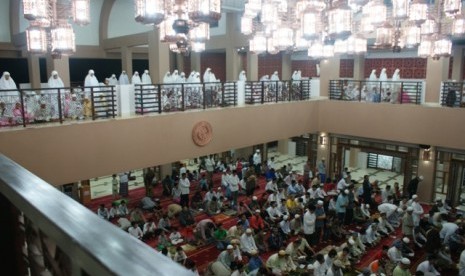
[286,66]
[195,62]
[252,66]
[329,70]
[159,57]
[233,61]
[180,64]
[323,150]
[426,169]
[165,170]
[359,67]
[126,60]
[283,146]
[34,70]
[60,65]
[436,72]
[457,65]
[244,152]
[353,160]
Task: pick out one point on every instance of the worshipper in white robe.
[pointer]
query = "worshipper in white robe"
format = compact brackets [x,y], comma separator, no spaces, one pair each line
[123,78]
[7,83]
[191,77]
[242,76]
[90,81]
[372,85]
[182,77]
[136,79]
[51,96]
[318,69]
[395,86]
[113,80]
[265,78]
[294,76]
[146,79]
[275,76]
[299,75]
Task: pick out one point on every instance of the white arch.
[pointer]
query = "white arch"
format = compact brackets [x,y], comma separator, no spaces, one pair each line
[121,21]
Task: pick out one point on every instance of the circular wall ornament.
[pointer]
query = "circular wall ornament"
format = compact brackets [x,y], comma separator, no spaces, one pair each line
[202,133]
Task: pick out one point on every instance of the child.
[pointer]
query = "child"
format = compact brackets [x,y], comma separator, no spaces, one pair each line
[180,256]
[176,237]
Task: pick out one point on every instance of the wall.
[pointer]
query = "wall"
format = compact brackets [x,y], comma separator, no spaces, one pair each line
[215,61]
[104,68]
[267,64]
[346,68]
[89,34]
[308,67]
[410,68]
[4,21]
[123,11]
[68,153]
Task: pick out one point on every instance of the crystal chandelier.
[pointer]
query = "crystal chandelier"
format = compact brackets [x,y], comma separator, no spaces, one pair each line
[327,27]
[49,30]
[184,24]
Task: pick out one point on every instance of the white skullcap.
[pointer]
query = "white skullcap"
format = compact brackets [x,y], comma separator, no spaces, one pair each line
[319,202]
[346,191]
[310,266]
[410,209]
[405,261]
[146,71]
[285,217]
[54,73]
[406,240]
[414,196]
[257,211]
[91,71]
[421,177]
[248,231]
[351,242]
[224,170]
[253,252]
[257,150]
[399,210]
[297,216]
[367,205]
[254,198]
[6,73]
[282,253]
[230,247]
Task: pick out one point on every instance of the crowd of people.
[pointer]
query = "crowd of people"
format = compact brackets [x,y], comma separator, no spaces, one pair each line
[291,216]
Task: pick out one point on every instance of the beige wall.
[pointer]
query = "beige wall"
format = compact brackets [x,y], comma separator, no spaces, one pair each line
[68,153]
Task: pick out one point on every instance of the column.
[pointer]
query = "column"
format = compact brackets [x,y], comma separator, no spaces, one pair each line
[244,152]
[426,169]
[323,150]
[359,67]
[159,57]
[233,61]
[436,72]
[34,70]
[283,146]
[195,62]
[252,67]
[126,60]
[60,65]
[165,170]
[329,70]
[180,64]
[286,66]
[457,65]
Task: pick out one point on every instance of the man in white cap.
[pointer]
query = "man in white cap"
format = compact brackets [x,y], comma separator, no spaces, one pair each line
[319,266]
[428,266]
[278,263]
[320,216]
[248,242]
[257,161]
[407,223]
[392,212]
[413,185]
[402,269]
[341,205]
[309,224]
[417,210]
[394,253]
[242,76]
[224,261]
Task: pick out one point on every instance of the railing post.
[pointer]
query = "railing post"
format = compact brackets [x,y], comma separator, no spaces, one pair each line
[301,90]
[235,93]
[141,99]
[204,96]
[182,97]
[21,96]
[92,102]
[222,94]
[461,94]
[401,91]
[113,105]
[60,111]
[360,91]
[263,92]
[159,98]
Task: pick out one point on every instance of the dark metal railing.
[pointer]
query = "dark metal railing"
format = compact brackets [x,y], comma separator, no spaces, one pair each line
[32,106]
[276,91]
[45,230]
[452,94]
[400,92]
[170,97]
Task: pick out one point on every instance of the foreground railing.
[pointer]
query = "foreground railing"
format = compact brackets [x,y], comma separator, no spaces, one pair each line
[33,106]
[452,94]
[158,98]
[400,92]
[276,91]
[45,230]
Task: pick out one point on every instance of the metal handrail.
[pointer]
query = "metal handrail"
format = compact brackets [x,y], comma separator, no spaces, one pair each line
[93,245]
[452,94]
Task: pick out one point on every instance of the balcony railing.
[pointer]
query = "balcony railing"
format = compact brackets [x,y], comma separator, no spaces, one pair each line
[45,230]
[158,98]
[452,94]
[34,106]
[276,91]
[399,92]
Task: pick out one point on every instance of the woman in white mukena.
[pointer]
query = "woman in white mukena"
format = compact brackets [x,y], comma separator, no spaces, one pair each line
[51,96]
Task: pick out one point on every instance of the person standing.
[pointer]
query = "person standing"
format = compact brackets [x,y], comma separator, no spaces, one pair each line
[184,185]
[322,170]
[306,174]
[309,224]
[123,184]
[367,190]
[413,186]
[148,179]
[341,205]
[257,162]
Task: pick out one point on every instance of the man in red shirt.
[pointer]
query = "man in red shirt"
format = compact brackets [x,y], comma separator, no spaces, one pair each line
[256,221]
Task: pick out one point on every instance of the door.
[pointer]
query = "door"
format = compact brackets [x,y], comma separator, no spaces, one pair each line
[456,190]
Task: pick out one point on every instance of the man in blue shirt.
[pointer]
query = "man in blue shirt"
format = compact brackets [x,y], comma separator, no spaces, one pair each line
[341,204]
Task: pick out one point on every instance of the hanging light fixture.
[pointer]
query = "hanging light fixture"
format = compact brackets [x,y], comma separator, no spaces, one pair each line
[258,44]
[340,21]
[198,47]
[442,47]
[340,46]
[270,46]
[311,24]
[452,7]
[150,11]
[283,38]
[384,35]
[49,29]
[316,50]
[377,12]
[425,49]
[400,9]
[412,36]
[300,42]
[429,27]
[418,11]
[328,51]
[246,25]
[458,26]
[208,11]
[200,33]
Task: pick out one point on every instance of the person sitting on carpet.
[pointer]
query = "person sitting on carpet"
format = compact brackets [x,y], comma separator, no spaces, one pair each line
[173,210]
[248,242]
[260,241]
[365,208]
[175,236]
[256,221]
[275,240]
[372,236]
[319,266]
[255,263]
[186,218]
[237,250]
[135,230]
[124,223]
[220,235]
[405,248]
[278,263]
[330,257]
[284,227]
[358,247]
[296,224]
[223,263]
[163,241]
[299,250]
[123,208]
[335,269]
[164,223]
[147,203]
[236,231]
[114,213]
[402,268]
[203,231]
[212,207]
[378,267]
[197,201]
[384,227]
[180,257]
[103,212]
[359,216]
[149,228]
[395,254]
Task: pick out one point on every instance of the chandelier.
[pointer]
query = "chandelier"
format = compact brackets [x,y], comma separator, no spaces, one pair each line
[325,28]
[49,29]
[183,24]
